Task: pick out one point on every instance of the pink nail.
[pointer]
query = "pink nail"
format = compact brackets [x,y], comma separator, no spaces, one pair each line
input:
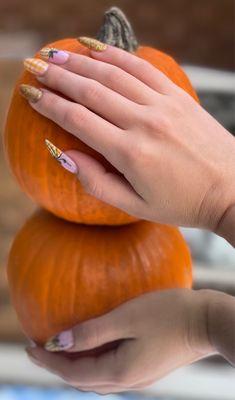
[64,160]
[54,55]
[61,342]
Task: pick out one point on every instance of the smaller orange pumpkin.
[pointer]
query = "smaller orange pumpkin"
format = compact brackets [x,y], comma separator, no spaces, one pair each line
[61,274]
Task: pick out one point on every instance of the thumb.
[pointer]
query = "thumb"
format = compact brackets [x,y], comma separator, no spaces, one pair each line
[106,186]
[93,333]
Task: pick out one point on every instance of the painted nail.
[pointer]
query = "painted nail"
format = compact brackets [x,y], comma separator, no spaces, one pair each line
[54,55]
[61,342]
[36,66]
[30,93]
[92,44]
[65,161]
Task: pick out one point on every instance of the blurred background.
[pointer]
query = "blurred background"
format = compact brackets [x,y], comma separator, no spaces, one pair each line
[200,35]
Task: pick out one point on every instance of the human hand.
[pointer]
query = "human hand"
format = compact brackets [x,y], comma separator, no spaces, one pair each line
[177,162]
[159,332]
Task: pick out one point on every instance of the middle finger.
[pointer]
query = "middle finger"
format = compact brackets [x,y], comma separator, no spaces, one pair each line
[103,101]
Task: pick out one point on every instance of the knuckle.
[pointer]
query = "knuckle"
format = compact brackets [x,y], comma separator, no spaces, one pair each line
[113,75]
[92,188]
[92,91]
[74,116]
[157,123]
[142,64]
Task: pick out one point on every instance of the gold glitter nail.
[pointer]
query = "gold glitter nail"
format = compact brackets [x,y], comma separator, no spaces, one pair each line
[55,152]
[92,44]
[31,93]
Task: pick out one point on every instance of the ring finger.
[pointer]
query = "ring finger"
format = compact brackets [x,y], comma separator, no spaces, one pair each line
[109,75]
[103,101]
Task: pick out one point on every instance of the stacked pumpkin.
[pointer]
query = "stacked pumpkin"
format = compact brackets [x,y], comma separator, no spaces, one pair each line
[61,273]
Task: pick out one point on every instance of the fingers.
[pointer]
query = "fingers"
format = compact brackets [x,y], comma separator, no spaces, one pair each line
[107,369]
[93,130]
[107,74]
[108,187]
[137,67]
[88,92]
[112,327]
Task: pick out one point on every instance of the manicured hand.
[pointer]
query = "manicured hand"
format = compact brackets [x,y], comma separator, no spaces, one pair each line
[159,332]
[177,162]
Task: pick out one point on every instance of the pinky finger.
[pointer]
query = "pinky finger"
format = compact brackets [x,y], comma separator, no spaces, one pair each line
[105,186]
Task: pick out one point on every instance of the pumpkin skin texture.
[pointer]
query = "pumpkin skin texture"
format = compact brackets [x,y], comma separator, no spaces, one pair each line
[39,175]
[61,274]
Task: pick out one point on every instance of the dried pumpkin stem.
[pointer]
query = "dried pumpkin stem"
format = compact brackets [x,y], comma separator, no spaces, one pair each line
[117,31]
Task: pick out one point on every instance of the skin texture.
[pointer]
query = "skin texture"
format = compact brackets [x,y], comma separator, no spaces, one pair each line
[152,345]
[166,146]
[178,167]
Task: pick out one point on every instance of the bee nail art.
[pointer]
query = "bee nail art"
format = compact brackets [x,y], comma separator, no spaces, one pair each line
[61,342]
[92,44]
[64,160]
[54,55]
[36,66]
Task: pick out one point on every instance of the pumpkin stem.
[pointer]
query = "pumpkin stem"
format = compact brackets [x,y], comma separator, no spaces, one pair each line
[117,31]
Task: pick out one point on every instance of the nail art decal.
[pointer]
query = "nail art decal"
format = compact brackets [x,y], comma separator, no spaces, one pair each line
[61,342]
[54,55]
[30,93]
[92,44]
[65,161]
[36,66]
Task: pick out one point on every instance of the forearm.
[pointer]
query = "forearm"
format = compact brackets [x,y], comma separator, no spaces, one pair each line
[221,323]
[226,227]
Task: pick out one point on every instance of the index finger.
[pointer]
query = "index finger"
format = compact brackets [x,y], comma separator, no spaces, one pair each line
[133,64]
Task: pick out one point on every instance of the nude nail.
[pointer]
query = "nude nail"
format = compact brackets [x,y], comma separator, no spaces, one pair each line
[64,160]
[54,55]
[36,66]
[92,44]
[30,93]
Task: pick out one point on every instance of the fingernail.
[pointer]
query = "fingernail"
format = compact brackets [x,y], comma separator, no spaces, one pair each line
[61,342]
[65,161]
[54,55]
[36,66]
[92,44]
[30,93]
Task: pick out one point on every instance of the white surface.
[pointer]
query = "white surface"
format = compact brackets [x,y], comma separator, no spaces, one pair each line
[197,381]
[211,79]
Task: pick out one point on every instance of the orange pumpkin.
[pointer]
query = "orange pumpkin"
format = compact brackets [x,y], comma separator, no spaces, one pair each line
[37,173]
[61,274]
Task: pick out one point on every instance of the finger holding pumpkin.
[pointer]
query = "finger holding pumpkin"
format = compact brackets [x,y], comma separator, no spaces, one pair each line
[156,338]
[109,75]
[76,119]
[87,92]
[140,65]
[97,181]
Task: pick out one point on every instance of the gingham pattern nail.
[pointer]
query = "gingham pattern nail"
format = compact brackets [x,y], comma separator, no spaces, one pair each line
[36,66]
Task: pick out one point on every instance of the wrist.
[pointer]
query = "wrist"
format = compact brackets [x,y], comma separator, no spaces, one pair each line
[226,225]
[221,323]
[198,337]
